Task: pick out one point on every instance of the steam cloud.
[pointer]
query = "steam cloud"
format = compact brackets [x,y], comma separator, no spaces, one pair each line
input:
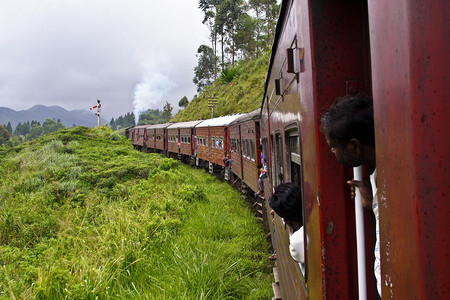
[152,89]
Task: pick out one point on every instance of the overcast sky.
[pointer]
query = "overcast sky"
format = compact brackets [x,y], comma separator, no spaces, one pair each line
[131,54]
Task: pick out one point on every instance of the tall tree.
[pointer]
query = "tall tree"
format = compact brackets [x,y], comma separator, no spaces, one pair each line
[36,130]
[167,111]
[4,135]
[209,7]
[204,71]
[9,128]
[183,102]
[228,14]
[150,117]
[112,124]
[246,37]
[271,11]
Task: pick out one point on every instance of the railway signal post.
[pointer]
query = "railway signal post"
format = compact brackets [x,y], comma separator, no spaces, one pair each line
[98,107]
[211,103]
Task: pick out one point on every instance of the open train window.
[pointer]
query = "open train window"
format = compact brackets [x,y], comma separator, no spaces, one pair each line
[252,150]
[294,173]
[278,159]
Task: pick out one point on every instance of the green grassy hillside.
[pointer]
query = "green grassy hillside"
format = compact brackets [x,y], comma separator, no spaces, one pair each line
[239,89]
[85,216]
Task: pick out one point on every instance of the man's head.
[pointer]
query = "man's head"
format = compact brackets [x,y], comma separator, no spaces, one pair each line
[286,201]
[259,166]
[349,129]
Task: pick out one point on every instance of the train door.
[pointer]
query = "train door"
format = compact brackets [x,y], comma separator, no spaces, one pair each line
[341,59]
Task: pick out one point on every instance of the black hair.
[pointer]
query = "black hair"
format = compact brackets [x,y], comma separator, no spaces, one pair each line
[350,117]
[286,201]
[259,166]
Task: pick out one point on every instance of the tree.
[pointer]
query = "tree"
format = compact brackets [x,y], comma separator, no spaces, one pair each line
[36,130]
[150,117]
[9,128]
[112,124]
[209,7]
[167,111]
[204,71]
[4,135]
[183,102]
[228,15]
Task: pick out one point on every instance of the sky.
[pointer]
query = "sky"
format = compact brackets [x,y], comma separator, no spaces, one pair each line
[133,55]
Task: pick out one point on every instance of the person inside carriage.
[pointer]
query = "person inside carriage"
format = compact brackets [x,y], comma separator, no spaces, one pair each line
[349,129]
[286,202]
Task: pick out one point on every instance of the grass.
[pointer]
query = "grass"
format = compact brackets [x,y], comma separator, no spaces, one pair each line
[239,89]
[84,216]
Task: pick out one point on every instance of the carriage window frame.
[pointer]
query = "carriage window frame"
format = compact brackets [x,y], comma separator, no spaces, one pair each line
[292,134]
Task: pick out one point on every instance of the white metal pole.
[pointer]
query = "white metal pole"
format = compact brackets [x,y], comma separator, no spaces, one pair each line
[360,238]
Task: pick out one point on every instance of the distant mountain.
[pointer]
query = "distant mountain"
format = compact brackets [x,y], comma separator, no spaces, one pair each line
[41,112]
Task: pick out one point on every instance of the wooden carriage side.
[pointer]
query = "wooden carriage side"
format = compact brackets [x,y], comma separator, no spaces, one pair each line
[213,139]
[139,135]
[161,136]
[151,137]
[244,148]
[181,137]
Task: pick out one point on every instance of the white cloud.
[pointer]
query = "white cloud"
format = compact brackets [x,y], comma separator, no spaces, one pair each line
[72,52]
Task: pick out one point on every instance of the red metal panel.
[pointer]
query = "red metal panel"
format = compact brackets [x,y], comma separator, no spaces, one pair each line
[409,45]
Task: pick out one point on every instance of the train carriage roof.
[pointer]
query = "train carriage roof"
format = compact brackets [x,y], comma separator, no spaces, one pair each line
[220,121]
[158,126]
[188,124]
[253,115]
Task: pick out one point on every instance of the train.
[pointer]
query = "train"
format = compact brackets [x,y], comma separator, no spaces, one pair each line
[394,52]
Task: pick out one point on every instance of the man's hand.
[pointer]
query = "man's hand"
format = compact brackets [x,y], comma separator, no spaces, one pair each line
[365,188]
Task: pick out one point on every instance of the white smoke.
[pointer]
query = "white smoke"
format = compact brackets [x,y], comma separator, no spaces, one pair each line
[153,89]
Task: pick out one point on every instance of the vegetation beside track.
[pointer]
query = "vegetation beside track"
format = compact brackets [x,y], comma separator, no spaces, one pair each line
[83,215]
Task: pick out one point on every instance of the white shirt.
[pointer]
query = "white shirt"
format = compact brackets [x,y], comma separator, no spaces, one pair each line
[297,247]
[376,266]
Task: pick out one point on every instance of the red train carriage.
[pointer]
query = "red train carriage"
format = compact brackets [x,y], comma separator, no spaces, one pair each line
[139,136]
[310,66]
[323,50]
[410,65]
[213,140]
[159,132]
[150,142]
[244,148]
[181,138]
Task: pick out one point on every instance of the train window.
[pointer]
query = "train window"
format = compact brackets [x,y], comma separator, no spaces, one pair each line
[247,149]
[279,176]
[252,150]
[294,171]
[189,140]
[244,148]
[206,139]
[213,144]
[221,142]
